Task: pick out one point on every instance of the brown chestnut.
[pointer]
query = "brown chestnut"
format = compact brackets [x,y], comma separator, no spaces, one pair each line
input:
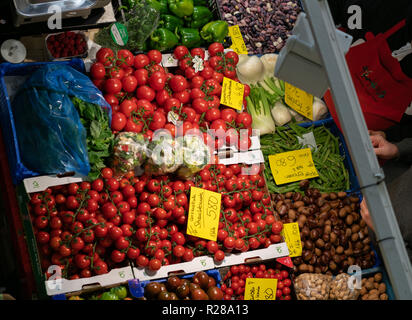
[314,234]
[320,243]
[309,245]
[349,219]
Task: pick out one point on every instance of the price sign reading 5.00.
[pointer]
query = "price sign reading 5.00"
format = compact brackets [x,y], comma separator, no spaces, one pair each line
[292,166]
[204,213]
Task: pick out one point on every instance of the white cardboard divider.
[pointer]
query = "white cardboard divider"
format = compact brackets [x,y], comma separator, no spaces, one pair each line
[41,183]
[248,157]
[197,264]
[112,278]
[274,251]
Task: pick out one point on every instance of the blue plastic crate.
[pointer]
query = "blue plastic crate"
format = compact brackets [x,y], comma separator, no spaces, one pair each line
[17,168]
[385,279]
[136,286]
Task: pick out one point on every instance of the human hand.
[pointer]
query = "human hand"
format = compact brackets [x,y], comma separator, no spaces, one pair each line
[364,211]
[377,133]
[383,148]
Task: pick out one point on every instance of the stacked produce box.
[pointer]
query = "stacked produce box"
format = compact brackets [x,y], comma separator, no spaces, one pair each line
[168,190]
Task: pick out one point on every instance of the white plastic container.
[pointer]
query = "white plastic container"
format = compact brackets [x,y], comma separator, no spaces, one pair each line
[83,55]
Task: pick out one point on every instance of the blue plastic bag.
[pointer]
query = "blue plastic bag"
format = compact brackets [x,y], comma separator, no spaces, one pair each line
[51,137]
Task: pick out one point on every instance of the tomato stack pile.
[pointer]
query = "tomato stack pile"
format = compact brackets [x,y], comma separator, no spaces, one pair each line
[143,94]
[88,228]
[235,280]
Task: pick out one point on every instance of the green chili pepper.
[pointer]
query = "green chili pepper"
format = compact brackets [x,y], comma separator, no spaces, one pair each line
[181,8]
[215,31]
[189,37]
[163,39]
[201,16]
[170,22]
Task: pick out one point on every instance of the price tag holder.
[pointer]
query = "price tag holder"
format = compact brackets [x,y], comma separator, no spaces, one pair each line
[232,94]
[260,289]
[204,213]
[299,100]
[292,238]
[238,44]
[292,166]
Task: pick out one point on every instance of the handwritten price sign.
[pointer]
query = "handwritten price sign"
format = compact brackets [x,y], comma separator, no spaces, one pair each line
[299,100]
[260,289]
[292,166]
[232,94]
[292,237]
[204,213]
[238,44]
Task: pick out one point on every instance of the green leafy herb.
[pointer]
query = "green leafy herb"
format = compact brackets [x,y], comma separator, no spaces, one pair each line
[100,139]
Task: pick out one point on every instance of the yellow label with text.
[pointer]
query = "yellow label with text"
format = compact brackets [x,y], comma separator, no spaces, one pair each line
[299,100]
[292,166]
[232,94]
[238,44]
[260,289]
[204,213]
[292,238]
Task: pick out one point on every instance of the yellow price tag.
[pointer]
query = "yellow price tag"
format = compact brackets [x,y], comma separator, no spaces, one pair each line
[204,213]
[299,100]
[232,94]
[292,237]
[238,44]
[260,289]
[292,166]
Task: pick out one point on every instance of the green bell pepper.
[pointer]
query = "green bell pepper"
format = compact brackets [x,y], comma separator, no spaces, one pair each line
[163,39]
[201,15]
[170,22]
[159,5]
[181,8]
[215,31]
[189,37]
[120,292]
